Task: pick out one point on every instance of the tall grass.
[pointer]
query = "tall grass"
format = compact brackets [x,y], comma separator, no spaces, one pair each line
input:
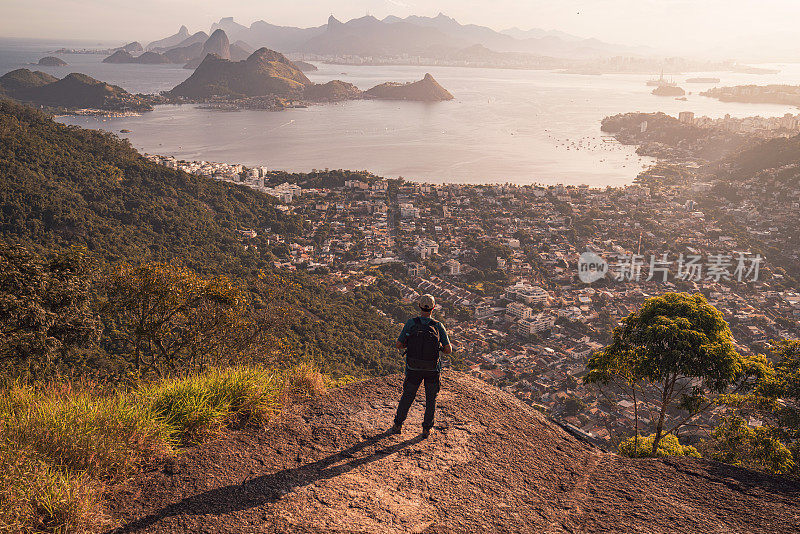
[195,407]
[36,497]
[59,444]
[103,436]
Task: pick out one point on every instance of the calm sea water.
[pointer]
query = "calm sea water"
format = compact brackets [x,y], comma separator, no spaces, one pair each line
[503,126]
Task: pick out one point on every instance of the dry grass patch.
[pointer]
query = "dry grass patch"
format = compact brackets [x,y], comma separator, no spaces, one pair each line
[59,444]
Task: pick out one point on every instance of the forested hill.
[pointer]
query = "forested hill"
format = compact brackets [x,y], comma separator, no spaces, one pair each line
[62,185]
[752,159]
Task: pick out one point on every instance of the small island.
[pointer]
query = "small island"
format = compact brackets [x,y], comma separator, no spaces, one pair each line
[52,61]
[424,90]
[72,93]
[668,90]
[333,91]
[757,94]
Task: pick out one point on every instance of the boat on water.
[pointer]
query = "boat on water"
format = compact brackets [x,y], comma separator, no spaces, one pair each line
[661,81]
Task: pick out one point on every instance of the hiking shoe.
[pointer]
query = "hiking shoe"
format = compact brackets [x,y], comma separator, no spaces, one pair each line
[426,432]
[395,429]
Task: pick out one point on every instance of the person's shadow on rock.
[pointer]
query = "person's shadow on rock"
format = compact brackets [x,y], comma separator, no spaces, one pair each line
[269,488]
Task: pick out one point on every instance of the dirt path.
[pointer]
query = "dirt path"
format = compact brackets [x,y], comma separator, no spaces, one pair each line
[492,464]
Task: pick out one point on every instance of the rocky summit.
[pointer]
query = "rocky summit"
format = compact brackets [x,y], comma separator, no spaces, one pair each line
[492,464]
[264,72]
[424,90]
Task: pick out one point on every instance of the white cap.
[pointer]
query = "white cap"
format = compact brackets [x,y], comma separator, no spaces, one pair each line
[427,302]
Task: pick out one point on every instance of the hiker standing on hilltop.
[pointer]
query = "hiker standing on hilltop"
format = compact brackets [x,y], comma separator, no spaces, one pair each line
[422,337]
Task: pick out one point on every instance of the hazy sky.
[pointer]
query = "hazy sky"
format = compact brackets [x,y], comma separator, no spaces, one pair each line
[698,23]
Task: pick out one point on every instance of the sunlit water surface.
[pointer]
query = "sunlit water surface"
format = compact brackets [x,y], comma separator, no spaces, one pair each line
[503,126]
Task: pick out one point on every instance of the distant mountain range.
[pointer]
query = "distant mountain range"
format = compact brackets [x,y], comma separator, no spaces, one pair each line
[184,48]
[369,36]
[172,40]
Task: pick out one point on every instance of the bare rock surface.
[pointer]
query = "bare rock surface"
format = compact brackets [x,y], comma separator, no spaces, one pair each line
[492,464]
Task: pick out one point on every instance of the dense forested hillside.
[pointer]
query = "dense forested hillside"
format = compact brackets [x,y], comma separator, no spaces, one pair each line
[752,159]
[62,187]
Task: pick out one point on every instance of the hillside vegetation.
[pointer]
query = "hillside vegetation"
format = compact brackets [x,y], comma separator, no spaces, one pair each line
[64,187]
[770,154]
[60,445]
[135,319]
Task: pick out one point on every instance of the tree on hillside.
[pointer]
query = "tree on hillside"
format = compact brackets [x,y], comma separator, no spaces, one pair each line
[171,319]
[785,385]
[773,444]
[46,314]
[734,442]
[675,353]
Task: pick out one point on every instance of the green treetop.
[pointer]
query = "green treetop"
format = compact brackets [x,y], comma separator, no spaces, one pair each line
[677,354]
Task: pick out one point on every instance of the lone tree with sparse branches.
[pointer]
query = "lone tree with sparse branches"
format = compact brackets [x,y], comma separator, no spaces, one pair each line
[676,354]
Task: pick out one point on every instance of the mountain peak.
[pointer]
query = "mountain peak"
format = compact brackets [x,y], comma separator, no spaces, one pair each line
[333,22]
[264,72]
[80,78]
[219,33]
[492,463]
[217,44]
[183,31]
[265,54]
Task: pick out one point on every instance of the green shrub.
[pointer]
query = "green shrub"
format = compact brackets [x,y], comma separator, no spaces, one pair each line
[305,382]
[669,446]
[734,442]
[202,404]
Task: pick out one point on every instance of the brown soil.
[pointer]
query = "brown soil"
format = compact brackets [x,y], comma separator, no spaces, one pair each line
[491,465]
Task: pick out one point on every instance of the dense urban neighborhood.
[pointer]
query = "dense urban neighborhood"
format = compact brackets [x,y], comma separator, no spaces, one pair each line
[504,262]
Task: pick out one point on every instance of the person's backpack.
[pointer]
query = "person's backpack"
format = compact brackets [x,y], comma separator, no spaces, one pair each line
[422,346]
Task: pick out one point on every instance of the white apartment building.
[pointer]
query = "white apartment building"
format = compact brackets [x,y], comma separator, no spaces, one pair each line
[519,310]
[538,323]
[453,267]
[527,293]
[426,248]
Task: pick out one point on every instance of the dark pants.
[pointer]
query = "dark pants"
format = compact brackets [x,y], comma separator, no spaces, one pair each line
[410,387]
